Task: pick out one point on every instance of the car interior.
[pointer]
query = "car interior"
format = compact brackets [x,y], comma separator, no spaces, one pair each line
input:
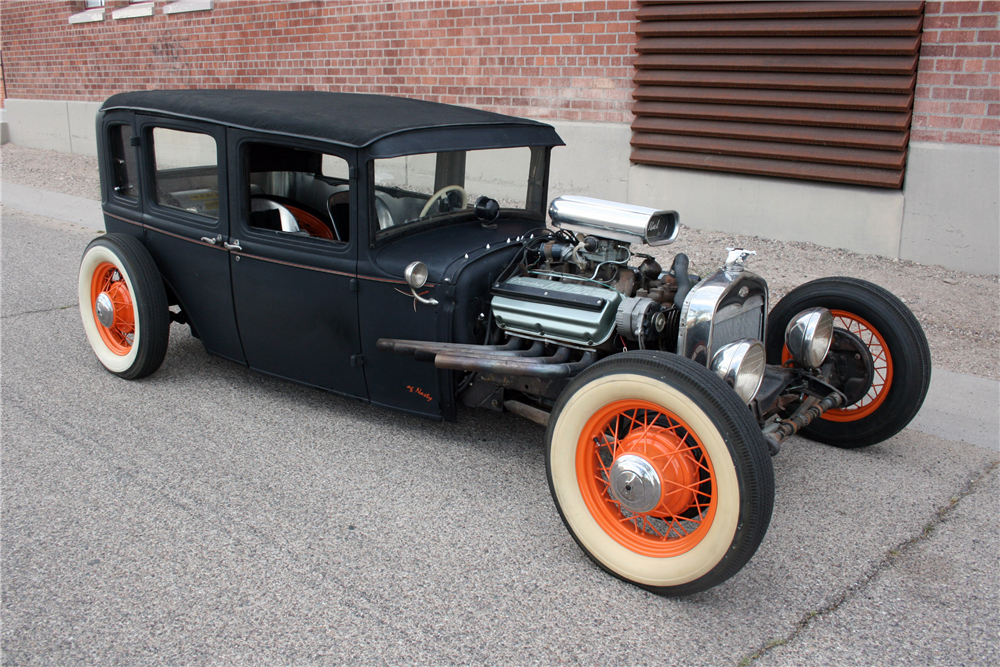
[296,191]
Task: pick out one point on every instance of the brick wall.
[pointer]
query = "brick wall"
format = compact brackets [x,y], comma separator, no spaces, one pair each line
[569,60]
[958,81]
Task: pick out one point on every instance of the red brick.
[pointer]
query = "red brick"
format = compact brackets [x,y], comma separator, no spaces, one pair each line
[982,124]
[960,7]
[943,93]
[979,21]
[939,22]
[927,135]
[962,137]
[971,80]
[948,65]
[928,78]
[926,106]
[936,50]
[973,50]
[945,122]
[958,36]
[985,94]
[966,108]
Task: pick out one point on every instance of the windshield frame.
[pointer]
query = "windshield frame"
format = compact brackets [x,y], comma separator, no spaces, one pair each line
[535,184]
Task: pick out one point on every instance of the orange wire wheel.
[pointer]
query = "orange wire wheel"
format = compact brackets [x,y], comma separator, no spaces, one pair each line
[123,306]
[646,478]
[881,366]
[112,308]
[878,324]
[881,362]
[659,471]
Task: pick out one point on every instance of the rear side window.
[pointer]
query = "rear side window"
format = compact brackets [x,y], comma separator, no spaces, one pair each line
[126,175]
[187,171]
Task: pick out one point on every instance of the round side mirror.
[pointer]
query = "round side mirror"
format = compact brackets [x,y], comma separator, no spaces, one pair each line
[416,275]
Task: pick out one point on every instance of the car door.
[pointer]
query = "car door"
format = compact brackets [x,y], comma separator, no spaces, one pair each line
[186,222]
[295,292]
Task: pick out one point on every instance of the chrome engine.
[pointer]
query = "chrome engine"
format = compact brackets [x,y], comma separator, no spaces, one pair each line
[584,287]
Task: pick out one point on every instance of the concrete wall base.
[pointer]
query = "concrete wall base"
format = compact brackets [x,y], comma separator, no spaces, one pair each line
[865,220]
[952,211]
[67,127]
[947,213]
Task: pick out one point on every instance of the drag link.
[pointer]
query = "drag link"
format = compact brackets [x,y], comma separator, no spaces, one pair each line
[810,410]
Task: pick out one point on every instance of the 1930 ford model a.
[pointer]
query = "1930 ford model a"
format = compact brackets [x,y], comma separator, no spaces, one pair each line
[397,251]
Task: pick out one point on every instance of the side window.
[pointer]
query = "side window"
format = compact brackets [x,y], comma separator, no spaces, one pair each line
[187,172]
[298,191]
[123,160]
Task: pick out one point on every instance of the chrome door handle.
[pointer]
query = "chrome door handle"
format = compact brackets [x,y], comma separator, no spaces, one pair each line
[235,245]
[216,241]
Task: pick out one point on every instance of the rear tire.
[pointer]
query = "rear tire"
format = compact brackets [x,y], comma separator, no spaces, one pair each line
[710,505]
[123,306]
[897,345]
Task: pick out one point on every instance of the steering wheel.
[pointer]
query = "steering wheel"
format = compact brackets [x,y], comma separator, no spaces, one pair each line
[440,195]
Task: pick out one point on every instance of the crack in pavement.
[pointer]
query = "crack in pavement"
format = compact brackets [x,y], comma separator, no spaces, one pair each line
[891,557]
[35,312]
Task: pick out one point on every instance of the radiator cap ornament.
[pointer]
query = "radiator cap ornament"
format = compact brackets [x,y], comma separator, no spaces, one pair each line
[736,259]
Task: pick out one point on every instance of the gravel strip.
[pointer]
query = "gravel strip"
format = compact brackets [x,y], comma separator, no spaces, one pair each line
[960,312]
[50,170]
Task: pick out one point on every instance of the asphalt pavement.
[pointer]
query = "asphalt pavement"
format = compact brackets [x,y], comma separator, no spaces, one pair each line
[208,515]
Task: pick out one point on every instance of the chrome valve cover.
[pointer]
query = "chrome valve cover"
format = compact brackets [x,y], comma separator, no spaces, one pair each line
[578,315]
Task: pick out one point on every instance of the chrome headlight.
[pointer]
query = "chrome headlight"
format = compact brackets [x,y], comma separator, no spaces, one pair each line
[741,364]
[416,275]
[808,336]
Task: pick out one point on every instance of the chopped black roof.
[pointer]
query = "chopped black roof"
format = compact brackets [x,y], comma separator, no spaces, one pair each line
[382,124]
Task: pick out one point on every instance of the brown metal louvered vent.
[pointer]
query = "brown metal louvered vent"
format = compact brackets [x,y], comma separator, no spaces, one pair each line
[812,90]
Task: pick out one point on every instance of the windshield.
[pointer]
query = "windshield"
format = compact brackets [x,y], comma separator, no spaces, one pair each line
[431,188]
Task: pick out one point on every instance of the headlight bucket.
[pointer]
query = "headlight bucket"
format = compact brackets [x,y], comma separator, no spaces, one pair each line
[741,364]
[808,336]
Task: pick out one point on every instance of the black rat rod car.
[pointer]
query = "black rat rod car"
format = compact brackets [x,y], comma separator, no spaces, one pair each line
[397,251]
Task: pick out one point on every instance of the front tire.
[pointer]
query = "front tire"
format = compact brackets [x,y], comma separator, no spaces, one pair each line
[123,306]
[900,356]
[659,472]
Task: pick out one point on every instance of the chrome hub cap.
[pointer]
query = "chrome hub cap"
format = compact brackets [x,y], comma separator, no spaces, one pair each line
[105,310]
[635,484]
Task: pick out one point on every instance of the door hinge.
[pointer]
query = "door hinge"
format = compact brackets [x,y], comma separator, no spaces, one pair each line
[357,360]
[354,284]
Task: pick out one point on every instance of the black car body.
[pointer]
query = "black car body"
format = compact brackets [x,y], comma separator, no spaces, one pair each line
[304,308]
[332,240]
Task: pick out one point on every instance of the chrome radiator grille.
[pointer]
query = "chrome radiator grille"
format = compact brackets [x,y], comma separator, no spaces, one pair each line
[722,308]
[738,321]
